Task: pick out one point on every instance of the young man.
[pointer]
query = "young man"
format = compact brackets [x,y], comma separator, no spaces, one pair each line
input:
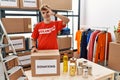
[45,32]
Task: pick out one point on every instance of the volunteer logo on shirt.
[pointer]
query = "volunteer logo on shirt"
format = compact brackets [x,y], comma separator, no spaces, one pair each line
[47,30]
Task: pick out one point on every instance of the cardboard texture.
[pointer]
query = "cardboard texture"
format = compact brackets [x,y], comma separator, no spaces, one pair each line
[69,53]
[117,36]
[12,63]
[64,43]
[29,4]
[58,4]
[16,75]
[114,56]
[9,4]
[17,25]
[25,59]
[45,55]
[23,53]
[18,43]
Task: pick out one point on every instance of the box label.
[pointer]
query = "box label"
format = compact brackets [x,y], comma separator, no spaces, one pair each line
[18,44]
[12,3]
[46,66]
[29,3]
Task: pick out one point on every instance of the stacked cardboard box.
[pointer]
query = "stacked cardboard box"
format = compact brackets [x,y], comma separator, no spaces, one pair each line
[9,3]
[25,59]
[18,43]
[17,25]
[64,43]
[114,56]
[29,4]
[11,64]
[16,75]
[58,4]
[35,4]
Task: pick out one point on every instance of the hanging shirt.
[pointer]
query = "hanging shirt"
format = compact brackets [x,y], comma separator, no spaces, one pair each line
[101,46]
[46,34]
[91,45]
[78,39]
[84,42]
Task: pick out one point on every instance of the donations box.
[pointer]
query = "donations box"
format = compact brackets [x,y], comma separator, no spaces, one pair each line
[45,63]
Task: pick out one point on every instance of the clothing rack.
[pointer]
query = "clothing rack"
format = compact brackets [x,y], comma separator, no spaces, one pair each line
[105,29]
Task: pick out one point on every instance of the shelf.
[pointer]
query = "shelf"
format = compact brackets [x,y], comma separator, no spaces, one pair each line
[18,9]
[63,10]
[20,33]
[64,35]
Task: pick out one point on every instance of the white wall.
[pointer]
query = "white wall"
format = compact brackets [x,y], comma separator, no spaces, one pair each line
[101,13]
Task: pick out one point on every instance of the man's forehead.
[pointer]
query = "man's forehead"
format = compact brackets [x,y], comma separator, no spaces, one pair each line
[44,10]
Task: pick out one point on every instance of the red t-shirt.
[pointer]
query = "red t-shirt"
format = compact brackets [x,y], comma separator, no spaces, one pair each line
[46,34]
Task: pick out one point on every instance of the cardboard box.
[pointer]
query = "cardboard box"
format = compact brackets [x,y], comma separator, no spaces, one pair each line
[114,56]
[12,63]
[45,63]
[9,3]
[29,4]
[16,75]
[58,4]
[17,25]
[69,53]
[64,43]
[18,43]
[24,58]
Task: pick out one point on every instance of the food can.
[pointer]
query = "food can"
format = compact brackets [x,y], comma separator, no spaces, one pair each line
[85,73]
[79,70]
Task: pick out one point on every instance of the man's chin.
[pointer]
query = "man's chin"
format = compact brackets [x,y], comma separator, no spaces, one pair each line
[48,18]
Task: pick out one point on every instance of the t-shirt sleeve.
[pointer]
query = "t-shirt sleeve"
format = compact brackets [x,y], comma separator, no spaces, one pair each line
[59,25]
[35,33]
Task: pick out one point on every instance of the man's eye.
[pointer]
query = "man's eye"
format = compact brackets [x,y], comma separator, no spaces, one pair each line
[43,12]
[47,11]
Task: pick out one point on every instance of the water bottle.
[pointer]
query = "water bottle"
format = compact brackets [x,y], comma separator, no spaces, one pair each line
[65,62]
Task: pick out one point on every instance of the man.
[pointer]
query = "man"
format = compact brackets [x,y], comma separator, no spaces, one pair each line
[45,32]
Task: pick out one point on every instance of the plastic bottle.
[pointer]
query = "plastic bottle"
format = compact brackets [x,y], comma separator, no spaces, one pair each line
[72,69]
[73,60]
[65,62]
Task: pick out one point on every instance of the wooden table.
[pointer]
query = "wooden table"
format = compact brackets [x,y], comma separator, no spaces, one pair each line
[98,73]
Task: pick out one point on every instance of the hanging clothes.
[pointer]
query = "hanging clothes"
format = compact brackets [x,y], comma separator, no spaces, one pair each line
[78,39]
[95,44]
[84,41]
[91,45]
[101,45]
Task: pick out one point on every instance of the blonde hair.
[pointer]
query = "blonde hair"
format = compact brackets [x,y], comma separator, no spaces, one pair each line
[44,7]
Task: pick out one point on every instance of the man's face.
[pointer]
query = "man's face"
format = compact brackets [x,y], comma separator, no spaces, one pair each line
[45,14]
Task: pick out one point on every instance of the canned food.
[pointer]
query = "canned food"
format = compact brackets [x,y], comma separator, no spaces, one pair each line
[80,63]
[89,70]
[85,73]
[79,70]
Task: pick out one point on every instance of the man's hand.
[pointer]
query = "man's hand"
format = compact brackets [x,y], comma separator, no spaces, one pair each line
[50,11]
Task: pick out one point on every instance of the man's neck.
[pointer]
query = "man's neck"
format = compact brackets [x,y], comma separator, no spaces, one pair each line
[47,21]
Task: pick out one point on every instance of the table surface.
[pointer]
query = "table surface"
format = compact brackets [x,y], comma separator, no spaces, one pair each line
[98,73]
